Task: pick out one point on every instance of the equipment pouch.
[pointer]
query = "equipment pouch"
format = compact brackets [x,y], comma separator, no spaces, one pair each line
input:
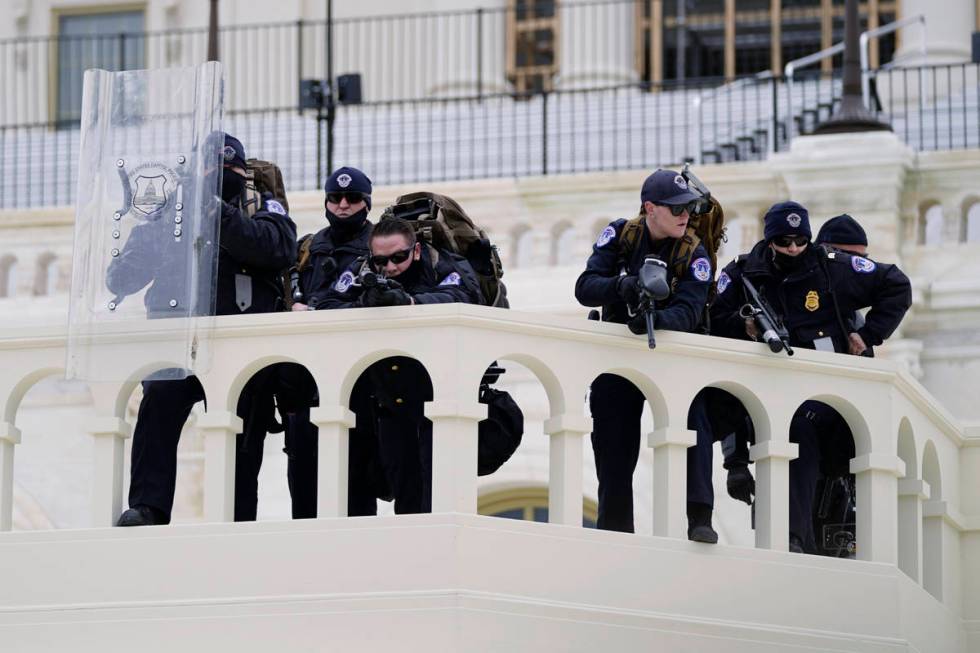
[243,292]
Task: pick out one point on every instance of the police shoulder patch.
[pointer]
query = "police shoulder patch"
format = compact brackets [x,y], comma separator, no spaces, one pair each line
[723,281]
[345,281]
[863,265]
[273,206]
[605,236]
[452,279]
[701,268]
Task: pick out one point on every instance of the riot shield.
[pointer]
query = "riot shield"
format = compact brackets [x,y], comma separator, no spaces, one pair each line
[146,223]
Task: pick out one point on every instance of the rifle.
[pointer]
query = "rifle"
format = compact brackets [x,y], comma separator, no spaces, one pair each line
[774,333]
[652,280]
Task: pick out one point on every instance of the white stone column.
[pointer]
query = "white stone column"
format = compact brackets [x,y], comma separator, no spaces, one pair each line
[771,459]
[565,467]
[670,480]
[219,428]
[877,510]
[110,435]
[333,447]
[9,437]
[948,29]
[911,493]
[596,44]
[454,453]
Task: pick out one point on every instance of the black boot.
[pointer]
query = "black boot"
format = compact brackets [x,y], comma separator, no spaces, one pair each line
[699,523]
[141,516]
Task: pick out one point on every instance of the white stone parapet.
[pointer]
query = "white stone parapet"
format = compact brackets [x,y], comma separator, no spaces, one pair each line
[916,536]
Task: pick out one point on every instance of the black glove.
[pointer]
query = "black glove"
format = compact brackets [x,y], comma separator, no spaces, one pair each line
[741,485]
[393,295]
[628,288]
[638,324]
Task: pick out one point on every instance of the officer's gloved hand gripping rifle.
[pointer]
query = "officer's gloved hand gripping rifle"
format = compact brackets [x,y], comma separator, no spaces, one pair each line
[653,286]
[773,331]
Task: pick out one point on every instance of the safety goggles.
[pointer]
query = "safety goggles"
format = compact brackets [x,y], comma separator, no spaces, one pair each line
[350,196]
[399,257]
[786,241]
[677,209]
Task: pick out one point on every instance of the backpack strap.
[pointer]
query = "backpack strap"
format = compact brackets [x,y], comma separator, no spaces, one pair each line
[629,238]
[251,198]
[303,254]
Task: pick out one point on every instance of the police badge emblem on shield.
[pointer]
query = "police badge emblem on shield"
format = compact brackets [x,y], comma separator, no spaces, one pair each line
[151,185]
[812,302]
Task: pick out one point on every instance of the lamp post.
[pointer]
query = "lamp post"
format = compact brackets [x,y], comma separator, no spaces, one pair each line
[851,115]
[213,32]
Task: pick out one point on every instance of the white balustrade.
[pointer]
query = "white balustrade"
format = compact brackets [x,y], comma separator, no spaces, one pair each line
[455,343]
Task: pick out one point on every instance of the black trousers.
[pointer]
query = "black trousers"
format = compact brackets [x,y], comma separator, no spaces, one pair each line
[405,446]
[162,413]
[616,405]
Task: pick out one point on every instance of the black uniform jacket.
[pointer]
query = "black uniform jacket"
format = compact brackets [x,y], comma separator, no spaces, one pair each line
[330,257]
[252,254]
[597,285]
[805,298]
[451,279]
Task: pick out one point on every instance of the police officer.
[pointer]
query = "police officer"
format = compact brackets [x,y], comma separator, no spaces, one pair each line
[410,273]
[332,250]
[844,233]
[253,251]
[812,289]
[610,281]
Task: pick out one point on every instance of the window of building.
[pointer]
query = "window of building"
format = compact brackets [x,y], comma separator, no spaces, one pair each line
[529,504]
[46,275]
[111,40]
[532,44]
[522,255]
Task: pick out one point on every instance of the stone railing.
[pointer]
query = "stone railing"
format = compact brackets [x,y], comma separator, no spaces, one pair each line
[911,461]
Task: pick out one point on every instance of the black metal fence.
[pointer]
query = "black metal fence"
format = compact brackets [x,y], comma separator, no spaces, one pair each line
[631,126]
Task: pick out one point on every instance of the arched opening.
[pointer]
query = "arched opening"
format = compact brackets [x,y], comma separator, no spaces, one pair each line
[8,276]
[53,471]
[932,525]
[823,496]
[971,224]
[717,415]
[522,248]
[734,237]
[931,224]
[563,245]
[909,505]
[45,275]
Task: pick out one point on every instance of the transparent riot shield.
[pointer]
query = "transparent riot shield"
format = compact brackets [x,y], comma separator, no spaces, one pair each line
[146,223]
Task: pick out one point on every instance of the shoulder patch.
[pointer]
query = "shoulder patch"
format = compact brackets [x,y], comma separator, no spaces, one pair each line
[273,206]
[701,268]
[452,279]
[345,281]
[863,265]
[606,236]
[723,281]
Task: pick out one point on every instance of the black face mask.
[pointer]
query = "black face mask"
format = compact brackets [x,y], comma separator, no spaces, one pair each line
[345,228]
[787,263]
[232,185]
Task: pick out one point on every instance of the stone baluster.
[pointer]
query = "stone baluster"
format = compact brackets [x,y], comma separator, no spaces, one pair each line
[9,437]
[333,446]
[565,467]
[454,453]
[911,493]
[218,429]
[771,459]
[110,435]
[670,480]
[877,510]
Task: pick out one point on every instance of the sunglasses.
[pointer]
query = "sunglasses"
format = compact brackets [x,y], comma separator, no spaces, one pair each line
[786,241]
[351,197]
[399,257]
[677,209]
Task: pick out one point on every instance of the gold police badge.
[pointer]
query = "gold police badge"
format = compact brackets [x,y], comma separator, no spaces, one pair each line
[812,301]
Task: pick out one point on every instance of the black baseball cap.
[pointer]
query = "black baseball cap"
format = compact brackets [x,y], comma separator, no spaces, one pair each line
[667,187]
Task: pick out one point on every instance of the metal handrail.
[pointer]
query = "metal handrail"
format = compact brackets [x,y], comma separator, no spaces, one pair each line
[881,31]
[699,99]
[790,69]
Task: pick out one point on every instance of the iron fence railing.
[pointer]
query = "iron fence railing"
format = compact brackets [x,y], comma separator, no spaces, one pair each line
[627,126]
